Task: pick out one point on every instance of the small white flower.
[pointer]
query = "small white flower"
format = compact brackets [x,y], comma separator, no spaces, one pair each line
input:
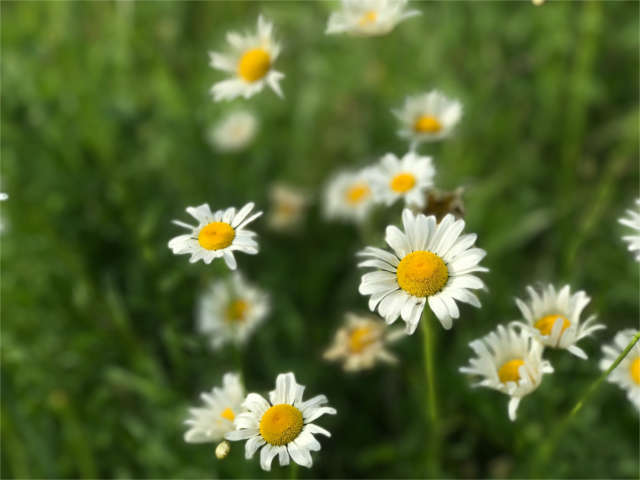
[250,63]
[510,361]
[3,196]
[430,262]
[349,196]
[230,310]
[281,426]
[362,342]
[234,132]
[211,422]
[408,178]
[627,374]
[369,17]
[428,117]
[553,318]
[217,234]
[287,207]
[633,221]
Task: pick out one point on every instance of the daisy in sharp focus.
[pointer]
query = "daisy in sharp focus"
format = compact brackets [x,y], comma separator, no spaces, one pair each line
[234,132]
[428,117]
[212,421]
[632,220]
[409,178]
[369,17]
[249,62]
[553,318]
[230,310]
[349,196]
[217,234]
[431,262]
[288,205]
[282,425]
[627,374]
[510,361]
[362,342]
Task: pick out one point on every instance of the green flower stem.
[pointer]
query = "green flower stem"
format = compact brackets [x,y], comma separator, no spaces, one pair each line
[293,470]
[432,405]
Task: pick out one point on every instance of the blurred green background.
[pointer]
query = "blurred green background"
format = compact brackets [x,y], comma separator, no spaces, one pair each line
[104,112]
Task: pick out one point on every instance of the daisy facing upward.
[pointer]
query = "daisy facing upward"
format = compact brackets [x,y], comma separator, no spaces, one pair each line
[369,17]
[349,196]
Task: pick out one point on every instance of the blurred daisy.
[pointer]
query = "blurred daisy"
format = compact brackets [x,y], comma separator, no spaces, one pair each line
[627,373]
[230,310]
[348,195]
[510,361]
[632,220]
[250,63]
[234,132]
[217,234]
[553,318]
[361,342]
[428,117]
[3,196]
[211,422]
[281,426]
[408,178]
[369,17]
[430,262]
[287,207]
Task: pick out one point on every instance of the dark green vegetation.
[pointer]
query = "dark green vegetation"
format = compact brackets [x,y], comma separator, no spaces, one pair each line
[104,108]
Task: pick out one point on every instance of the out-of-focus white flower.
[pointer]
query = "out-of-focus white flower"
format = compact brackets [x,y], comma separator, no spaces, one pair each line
[349,196]
[369,17]
[234,132]
[627,374]
[288,205]
[409,178]
[632,220]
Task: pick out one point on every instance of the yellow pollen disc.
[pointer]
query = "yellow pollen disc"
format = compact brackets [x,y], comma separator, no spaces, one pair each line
[427,124]
[254,64]
[216,235]
[236,311]
[370,17]
[281,424]
[360,338]
[545,324]
[422,274]
[228,414]
[402,183]
[635,370]
[509,371]
[357,193]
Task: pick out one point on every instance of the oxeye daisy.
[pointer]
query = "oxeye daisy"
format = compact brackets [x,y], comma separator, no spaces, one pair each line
[553,318]
[211,422]
[217,234]
[281,426]
[369,17]
[627,374]
[250,63]
[632,220]
[349,196]
[408,178]
[510,361]
[428,117]
[362,342]
[287,207]
[234,132]
[431,262]
[230,310]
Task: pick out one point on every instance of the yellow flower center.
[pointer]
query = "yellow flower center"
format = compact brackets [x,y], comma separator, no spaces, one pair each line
[360,338]
[509,371]
[236,311]
[228,414]
[216,235]
[402,183]
[427,124]
[254,64]
[545,324]
[281,424]
[357,193]
[422,274]
[370,17]
[635,370]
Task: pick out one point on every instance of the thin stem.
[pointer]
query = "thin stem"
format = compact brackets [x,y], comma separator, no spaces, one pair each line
[432,404]
[293,471]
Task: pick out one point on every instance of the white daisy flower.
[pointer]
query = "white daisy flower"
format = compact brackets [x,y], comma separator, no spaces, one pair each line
[362,342]
[369,17]
[627,373]
[250,63]
[217,234]
[211,422]
[230,310]
[287,207]
[510,361]
[430,262]
[234,132]
[553,318]
[281,426]
[349,196]
[3,196]
[408,178]
[428,117]
[633,221]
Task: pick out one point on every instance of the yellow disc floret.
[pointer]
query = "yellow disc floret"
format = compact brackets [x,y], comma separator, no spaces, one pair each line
[254,64]
[357,193]
[427,124]
[228,414]
[281,424]
[216,235]
[422,274]
[546,323]
[509,371]
[236,311]
[635,370]
[360,338]
[402,182]
[370,17]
